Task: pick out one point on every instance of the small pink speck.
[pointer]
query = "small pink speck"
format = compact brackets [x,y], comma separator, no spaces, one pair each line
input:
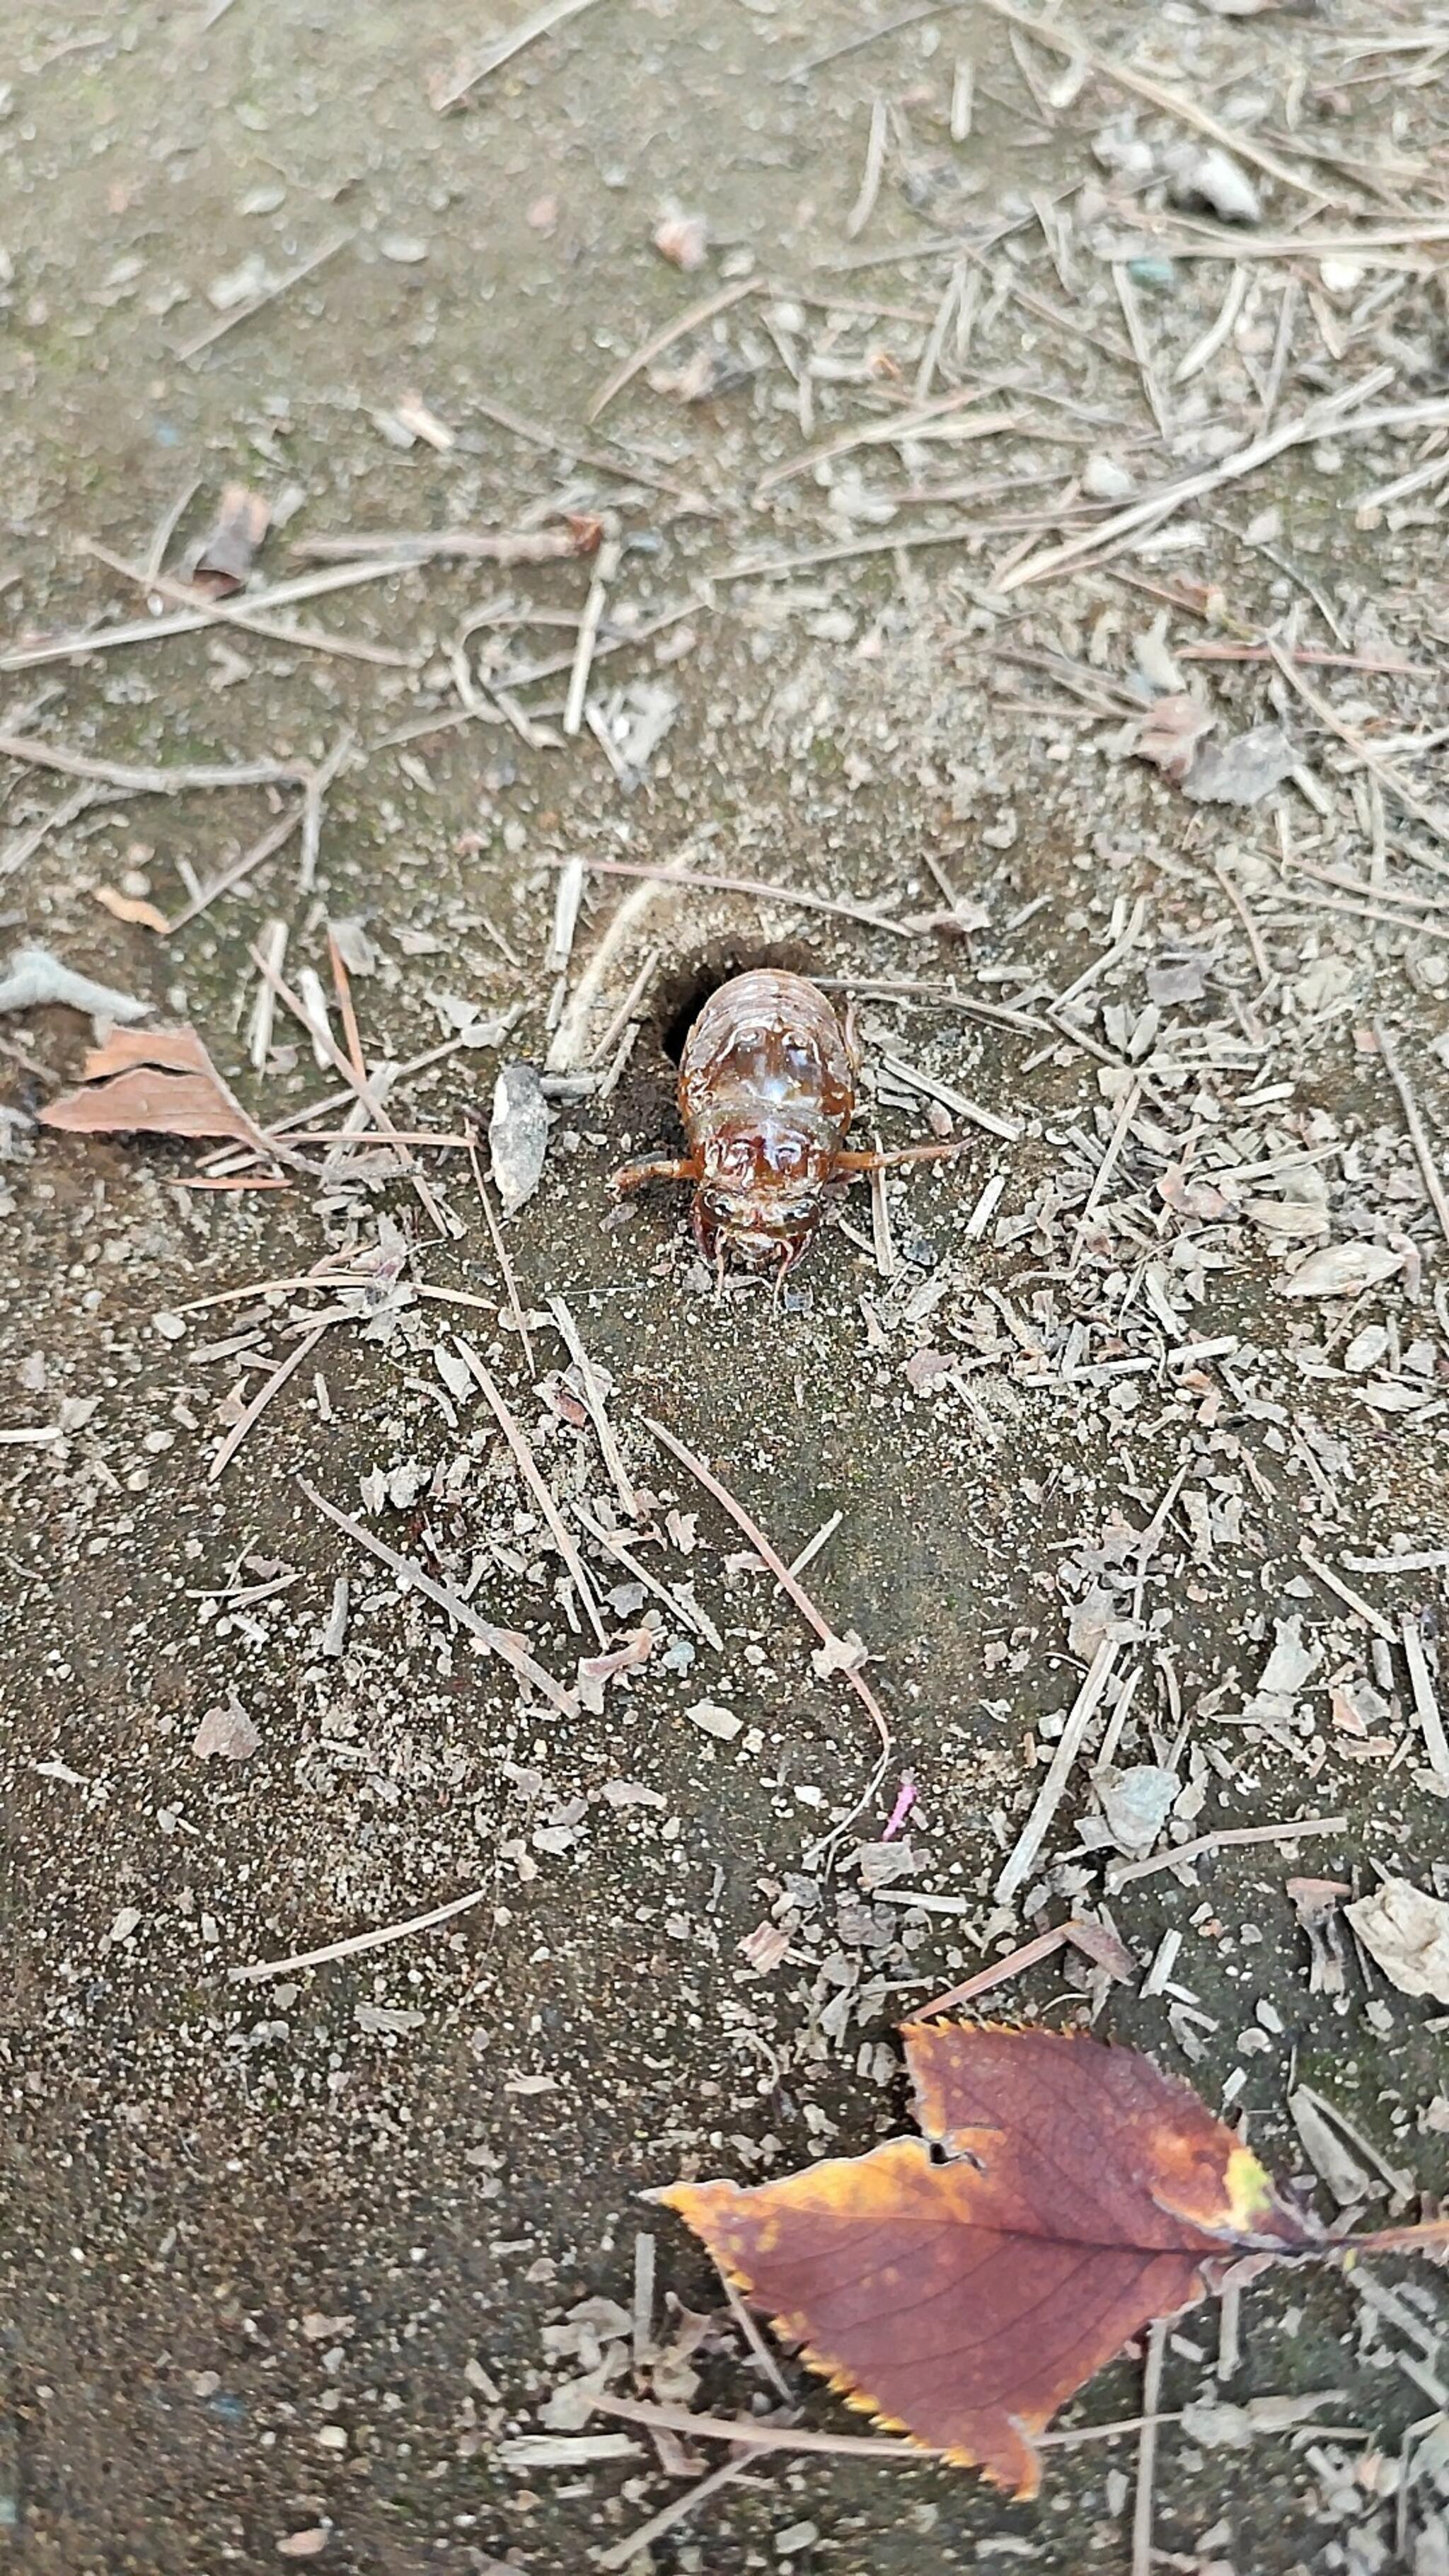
[905,1800]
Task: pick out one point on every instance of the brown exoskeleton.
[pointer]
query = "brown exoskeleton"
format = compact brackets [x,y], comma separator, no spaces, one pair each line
[766,1093]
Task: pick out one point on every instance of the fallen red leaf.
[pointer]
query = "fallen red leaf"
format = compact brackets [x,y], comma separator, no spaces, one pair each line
[962,2301]
[159,1080]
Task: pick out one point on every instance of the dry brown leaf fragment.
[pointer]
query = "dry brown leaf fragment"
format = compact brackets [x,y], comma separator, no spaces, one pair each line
[161,1082]
[1082,2194]
[224,559]
[1169,733]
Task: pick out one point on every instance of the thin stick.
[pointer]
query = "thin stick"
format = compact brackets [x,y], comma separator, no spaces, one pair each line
[588,636]
[348,648]
[191,350]
[534,434]
[629,2551]
[693,320]
[357,1942]
[261,1400]
[512,1431]
[343,989]
[1022,1860]
[317,785]
[1120,1875]
[594,1398]
[1307,426]
[1104,1171]
[691,1613]
[1136,333]
[786,1580]
[1433,819]
[1352,1600]
[556,13]
[188,621]
[1418,1134]
[1147,2448]
[996,1975]
[875,151]
[752,2435]
[166,527]
[1426,1706]
[717,883]
[362,1091]
[458,545]
[1251,932]
[1196,358]
[25,844]
[878,433]
[510,1284]
[130,781]
[1064,39]
[503,1642]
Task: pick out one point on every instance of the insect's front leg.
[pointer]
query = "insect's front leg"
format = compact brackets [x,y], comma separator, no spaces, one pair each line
[634,1175]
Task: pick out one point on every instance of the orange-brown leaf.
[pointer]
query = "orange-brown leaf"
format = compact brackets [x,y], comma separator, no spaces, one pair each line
[964,2301]
[161,1080]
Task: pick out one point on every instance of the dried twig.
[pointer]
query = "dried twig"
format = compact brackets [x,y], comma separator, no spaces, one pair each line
[317,784]
[1064,39]
[1022,1859]
[555,13]
[1418,1133]
[751,2433]
[191,350]
[238,612]
[1120,1873]
[362,1091]
[511,1648]
[689,1611]
[855,1680]
[189,621]
[273,839]
[500,1248]
[588,636]
[875,152]
[356,1942]
[629,2551]
[258,1405]
[1426,1705]
[537,1484]
[1147,2447]
[132,781]
[998,1974]
[885,433]
[1352,1600]
[694,320]
[23,845]
[1305,427]
[790,896]
[593,1395]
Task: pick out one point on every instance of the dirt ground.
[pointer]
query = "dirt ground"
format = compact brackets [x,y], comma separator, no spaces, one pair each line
[303,2266]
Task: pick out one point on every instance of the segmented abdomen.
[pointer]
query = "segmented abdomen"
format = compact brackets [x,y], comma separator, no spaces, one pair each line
[767,1047]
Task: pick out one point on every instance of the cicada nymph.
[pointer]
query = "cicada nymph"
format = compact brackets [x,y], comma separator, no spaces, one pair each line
[767,1094]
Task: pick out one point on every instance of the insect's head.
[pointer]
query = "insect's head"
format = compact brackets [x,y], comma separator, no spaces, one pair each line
[761,1191]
